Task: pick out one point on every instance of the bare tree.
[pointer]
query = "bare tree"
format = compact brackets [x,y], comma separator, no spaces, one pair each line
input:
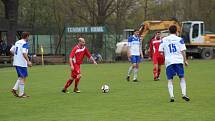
[11,14]
[94,13]
[60,22]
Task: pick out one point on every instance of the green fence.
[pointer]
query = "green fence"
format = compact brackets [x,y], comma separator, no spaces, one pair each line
[50,42]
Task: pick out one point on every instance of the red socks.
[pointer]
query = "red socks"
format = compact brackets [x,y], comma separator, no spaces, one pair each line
[159,71]
[68,83]
[76,83]
[155,72]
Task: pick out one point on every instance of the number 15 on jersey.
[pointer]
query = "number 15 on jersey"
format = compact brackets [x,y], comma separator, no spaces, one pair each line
[172,48]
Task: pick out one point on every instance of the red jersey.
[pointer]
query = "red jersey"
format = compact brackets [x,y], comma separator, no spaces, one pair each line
[78,53]
[154,46]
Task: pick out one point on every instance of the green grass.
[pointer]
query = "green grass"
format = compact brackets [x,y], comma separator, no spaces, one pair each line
[146,100]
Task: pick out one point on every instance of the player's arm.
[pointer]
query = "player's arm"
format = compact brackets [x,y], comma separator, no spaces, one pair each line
[129,48]
[150,48]
[12,50]
[93,60]
[71,56]
[87,53]
[185,58]
[71,64]
[183,51]
[141,51]
[25,54]
[161,48]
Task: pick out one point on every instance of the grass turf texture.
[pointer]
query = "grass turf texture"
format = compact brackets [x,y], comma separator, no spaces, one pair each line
[145,100]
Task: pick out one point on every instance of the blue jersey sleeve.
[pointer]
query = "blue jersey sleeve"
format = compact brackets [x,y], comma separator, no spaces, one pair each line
[129,41]
[26,46]
[182,45]
[182,41]
[161,42]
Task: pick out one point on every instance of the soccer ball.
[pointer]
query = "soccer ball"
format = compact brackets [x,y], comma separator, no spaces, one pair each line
[105,88]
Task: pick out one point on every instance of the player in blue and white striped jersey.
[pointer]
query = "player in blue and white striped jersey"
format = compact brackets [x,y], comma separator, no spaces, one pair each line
[135,54]
[21,62]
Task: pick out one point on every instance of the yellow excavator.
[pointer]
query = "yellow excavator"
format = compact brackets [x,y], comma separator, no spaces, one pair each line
[193,32]
[148,26]
[198,43]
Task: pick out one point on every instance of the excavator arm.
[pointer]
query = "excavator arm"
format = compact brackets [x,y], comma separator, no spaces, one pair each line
[148,26]
[157,26]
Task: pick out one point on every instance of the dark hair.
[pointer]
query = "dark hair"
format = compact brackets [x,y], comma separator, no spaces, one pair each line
[25,35]
[172,29]
[135,30]
[158,32]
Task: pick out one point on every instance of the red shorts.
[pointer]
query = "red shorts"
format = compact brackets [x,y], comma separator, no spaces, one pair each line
[76,71]
[158,59]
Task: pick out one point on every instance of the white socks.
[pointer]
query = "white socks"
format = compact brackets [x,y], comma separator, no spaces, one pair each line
[21,88]
[16,86]
[183,86]
[170,88]
[135,73]
[135,70]
[130,70]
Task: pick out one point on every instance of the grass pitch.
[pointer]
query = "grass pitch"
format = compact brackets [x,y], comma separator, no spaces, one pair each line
[145,100]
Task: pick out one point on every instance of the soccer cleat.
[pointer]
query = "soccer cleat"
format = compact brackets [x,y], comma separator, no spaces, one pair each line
[77,91]
[64,91]
[186,98]
[128,78]
[135,80]
[172,99]
[14,93]
[158,78]
[24,96]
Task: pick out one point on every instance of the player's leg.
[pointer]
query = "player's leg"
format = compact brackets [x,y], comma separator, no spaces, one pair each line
[70,80]
[22,87]
[130,69]
[159,71]
[67,85]
[136,67]
[160,63]
[170,89]
[180,73]
[155,71]
[155,68]
[15,88]
[170,73]
[77,79]
[129,72]
[183,89]
[22,74]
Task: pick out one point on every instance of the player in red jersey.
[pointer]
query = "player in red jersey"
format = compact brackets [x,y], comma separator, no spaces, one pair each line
[158,59]
[76,57]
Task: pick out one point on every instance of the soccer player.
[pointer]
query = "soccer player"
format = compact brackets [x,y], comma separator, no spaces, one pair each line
[158,59]
[21,62]
[173,48]
[76,57]
[135,54]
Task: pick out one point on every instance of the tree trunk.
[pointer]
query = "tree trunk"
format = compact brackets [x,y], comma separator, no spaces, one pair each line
[11,14]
